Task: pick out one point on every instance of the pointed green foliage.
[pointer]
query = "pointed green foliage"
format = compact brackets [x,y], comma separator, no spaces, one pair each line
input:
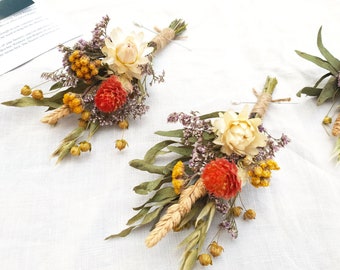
[140,164]
[161,197]
[141,214]
[334,62]
[318,61]
[155,150]
[185,151]
[329,91]
[123,233]
[146,187]
[28,101]
[309,91]
[178,133]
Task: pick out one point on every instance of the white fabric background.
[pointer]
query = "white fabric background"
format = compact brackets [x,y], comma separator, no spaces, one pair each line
[56,217]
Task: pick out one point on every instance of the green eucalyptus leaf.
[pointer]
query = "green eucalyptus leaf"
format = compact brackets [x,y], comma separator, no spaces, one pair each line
[146,187]
[123,233]
[144,166]
[56,86]
[318,61]
[161,197]
[138,216]
[151,216]
[329,91]
[328,56]
[309,91]
[322,78]
[28,101]
[185,151]
[154,151]
[178,133]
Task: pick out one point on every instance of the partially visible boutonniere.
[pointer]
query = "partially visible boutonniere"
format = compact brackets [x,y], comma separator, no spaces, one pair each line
[103,81]
[213,157]
[329,91]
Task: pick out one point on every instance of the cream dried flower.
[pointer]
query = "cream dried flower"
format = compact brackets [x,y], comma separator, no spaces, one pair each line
[236,133]
[125,54]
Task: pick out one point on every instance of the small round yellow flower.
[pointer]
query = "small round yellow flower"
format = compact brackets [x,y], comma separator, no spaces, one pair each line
[121,144]
[177,184]
[37,94]
[236,211]
[85,115]
[75,150]
[249,214]
[85,146]
[178,170]
[205,259]
[78,109]
[215,249]
[327,120]
[123,124]
[26,90]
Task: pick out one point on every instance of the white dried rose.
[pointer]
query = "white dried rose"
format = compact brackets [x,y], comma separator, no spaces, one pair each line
[236,133]
[125,54]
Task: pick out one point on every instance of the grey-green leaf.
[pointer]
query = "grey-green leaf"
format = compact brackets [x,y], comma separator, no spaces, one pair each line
[123,233]
[28,101]
[329,91]
[138,216]
[154,151]
[178,133]
[144,166]
[318,61]
[185,151]
[309,91]
[329,57]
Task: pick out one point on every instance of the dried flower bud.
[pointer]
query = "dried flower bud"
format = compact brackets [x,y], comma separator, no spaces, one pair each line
[249,214]
[205,259]
[75,150]
[26,90]
[82,123]
[236,211]
[37,94]
[121,144]
[85,146]
[215,249]
[85,115]
[123,124]
[327,120]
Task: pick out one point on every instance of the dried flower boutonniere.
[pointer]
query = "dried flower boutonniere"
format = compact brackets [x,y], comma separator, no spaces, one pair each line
[329,91]
[103,81]
[214,157]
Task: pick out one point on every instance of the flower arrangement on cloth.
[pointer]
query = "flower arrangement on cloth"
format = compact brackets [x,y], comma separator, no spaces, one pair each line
[103,81]
[329,91]
[214,156]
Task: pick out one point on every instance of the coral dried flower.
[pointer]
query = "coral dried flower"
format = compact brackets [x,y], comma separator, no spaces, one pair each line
[220,178]
[110,95]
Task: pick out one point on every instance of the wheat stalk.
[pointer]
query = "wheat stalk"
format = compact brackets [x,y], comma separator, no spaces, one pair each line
[175,212]
[54,116]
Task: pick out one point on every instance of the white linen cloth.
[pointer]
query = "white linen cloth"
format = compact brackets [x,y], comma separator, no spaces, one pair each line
[56,217]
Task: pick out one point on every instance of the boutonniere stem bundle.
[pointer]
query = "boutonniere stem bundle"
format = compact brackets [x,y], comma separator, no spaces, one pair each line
[103,82]
[326,88]
[212,158]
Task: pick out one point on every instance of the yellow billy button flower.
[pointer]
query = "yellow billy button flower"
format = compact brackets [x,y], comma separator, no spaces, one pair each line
[37,94]
[177,177]
[249,214]
[85,146]
[123,124]
[85,115]
[121,144]
[215,249]
[204,259]
[26,90]
[75,150]
[236,211]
